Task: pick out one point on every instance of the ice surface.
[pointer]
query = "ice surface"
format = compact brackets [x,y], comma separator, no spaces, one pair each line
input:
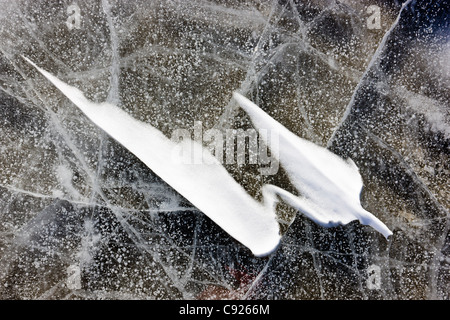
[83,218]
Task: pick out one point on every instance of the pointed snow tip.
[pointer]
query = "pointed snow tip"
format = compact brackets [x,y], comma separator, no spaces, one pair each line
[241,98]
[237,94]
[33,64]
[380,227]
[28,60]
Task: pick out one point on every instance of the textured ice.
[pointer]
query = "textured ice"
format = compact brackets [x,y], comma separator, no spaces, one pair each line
[82,217]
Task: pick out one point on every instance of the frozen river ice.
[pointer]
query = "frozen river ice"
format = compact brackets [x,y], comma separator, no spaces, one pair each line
[82,217]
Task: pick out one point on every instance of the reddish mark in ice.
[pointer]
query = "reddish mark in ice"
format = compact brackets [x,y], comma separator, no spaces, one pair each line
[216,292]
